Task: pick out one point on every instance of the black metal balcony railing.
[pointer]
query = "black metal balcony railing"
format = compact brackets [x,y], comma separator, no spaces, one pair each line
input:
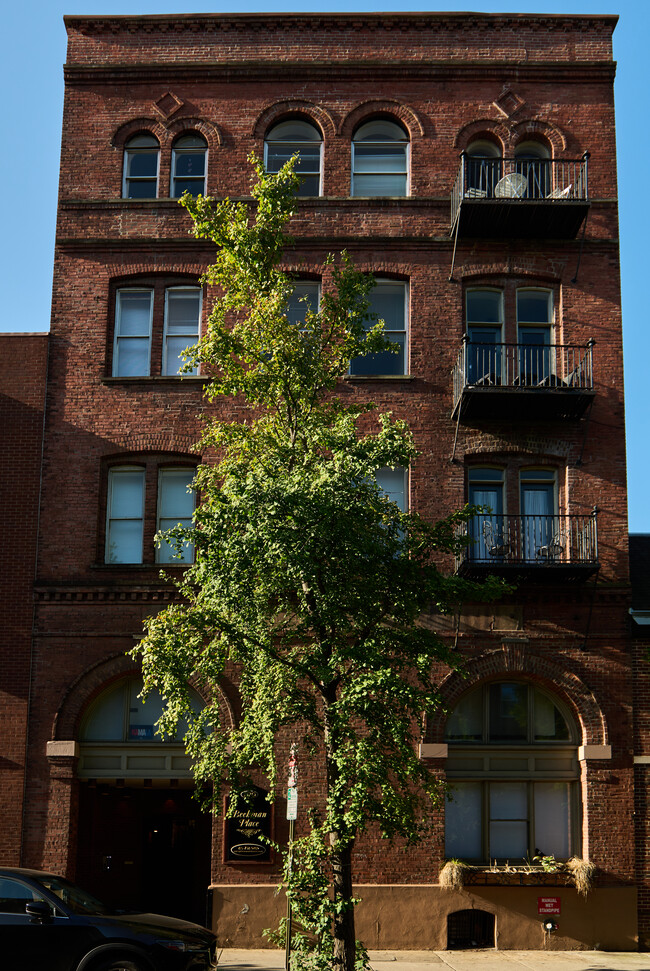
[530,544]
[550,380]
[518,196]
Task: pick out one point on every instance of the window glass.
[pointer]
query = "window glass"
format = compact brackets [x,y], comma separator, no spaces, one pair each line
[188,165]
[182,321]
[388,301]
[531,161]
[508,712]
[466,721]
[132,333]
[549,724]
[141,154]
[463,815]
[483,169]
[125,511]
[379,160]
[486,529]
[304,299]
[508,830]
[120,715]
[552,819]
[289,138]
[392,481]
[484,321]
[175,506]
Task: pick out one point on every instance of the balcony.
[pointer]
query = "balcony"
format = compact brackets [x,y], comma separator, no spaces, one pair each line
[518,197]
[540,548]
[532,381]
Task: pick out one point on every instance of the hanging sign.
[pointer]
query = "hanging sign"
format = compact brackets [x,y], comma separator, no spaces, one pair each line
[247,828]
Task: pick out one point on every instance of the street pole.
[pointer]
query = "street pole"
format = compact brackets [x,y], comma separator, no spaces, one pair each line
[292,812]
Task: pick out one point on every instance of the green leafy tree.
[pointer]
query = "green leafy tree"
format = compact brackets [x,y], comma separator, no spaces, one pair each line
[308,580]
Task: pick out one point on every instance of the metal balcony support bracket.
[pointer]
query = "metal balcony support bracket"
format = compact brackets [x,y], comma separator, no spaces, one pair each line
[460,190]
[453,255]
[585,157]
[587,422]
[453,451]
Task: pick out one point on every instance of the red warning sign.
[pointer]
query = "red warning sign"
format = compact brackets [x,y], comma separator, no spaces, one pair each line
[549,905]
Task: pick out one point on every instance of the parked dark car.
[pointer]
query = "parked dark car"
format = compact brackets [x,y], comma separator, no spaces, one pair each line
[49,924]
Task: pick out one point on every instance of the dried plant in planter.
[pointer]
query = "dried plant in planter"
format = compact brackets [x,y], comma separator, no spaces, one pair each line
[452,875]
[582,873]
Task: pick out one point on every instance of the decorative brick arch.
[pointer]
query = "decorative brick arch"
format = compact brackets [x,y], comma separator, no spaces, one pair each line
[150,125]
[185,126]
[541,131]
[294,106]
[520,662]
[97,679]
[544,273]
[388,108]
[167,444]
[161,268]
[487,129]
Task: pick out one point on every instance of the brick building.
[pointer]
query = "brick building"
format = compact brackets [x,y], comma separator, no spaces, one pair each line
[468,162]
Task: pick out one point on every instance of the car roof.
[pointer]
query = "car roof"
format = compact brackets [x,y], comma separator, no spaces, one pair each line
[17,871]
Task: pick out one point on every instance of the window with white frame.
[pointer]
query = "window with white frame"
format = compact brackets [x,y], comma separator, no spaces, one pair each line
[388,301]
[513,769]
[125,514]
[182,320]
[296,137]
[141,501]
[141,158]
[189,165]
[132,346]
[484,327]
[175,508]
[153,326]
[380,159]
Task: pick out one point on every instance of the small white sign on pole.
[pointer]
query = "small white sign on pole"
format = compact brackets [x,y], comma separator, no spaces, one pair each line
[292,803]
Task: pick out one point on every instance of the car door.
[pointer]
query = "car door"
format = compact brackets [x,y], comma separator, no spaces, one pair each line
[52,943]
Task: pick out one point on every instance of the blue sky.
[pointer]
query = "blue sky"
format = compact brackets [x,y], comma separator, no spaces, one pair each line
[34,50]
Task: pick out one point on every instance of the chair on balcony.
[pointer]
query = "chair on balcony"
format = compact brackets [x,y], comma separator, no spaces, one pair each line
[553,550]
[558,193]
[511,186]
[473,193]
[495,544]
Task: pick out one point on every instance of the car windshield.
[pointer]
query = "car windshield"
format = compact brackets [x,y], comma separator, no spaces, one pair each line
[73,897]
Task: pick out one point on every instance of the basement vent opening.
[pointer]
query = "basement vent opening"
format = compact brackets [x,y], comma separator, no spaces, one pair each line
[467,929]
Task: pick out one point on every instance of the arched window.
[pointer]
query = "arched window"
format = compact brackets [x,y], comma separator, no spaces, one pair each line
[120,715]
[188,165]
[483,169]
[140,179]
[532,161]
[118,738]
[289,138]
[513,769]
[380,159]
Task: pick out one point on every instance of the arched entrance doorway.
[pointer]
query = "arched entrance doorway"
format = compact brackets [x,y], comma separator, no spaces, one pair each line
[144,843]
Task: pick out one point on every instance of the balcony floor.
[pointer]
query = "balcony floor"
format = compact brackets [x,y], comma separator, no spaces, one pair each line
[521,218]
[537,404]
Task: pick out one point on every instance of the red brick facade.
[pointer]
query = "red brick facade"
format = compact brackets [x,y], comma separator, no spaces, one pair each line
[450,82]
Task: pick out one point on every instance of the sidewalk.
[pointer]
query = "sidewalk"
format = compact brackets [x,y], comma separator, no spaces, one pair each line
[232,959]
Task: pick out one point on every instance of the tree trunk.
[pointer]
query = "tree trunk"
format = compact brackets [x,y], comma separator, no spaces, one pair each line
[341,844]
[344,935]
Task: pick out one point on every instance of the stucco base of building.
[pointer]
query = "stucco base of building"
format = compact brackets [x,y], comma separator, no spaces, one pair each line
[404,917]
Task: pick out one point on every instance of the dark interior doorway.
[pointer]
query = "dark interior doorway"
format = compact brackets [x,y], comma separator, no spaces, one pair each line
[469,928]
[145,849]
